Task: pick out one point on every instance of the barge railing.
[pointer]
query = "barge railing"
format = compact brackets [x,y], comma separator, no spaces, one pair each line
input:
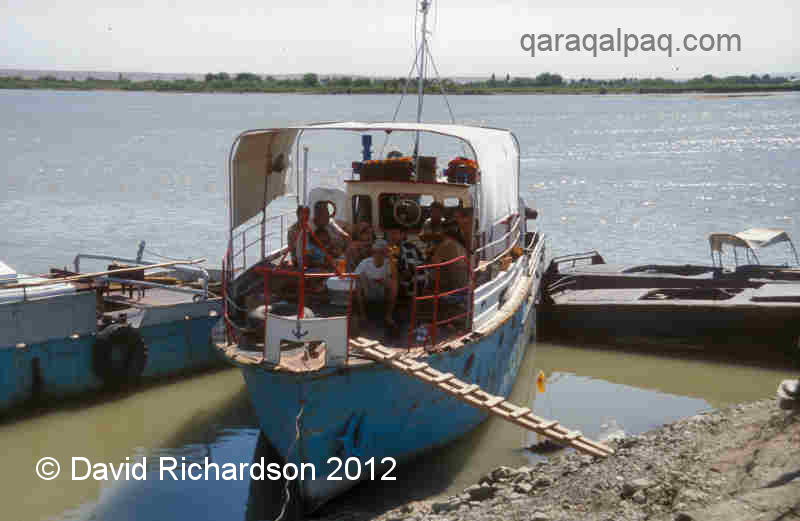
[202,273]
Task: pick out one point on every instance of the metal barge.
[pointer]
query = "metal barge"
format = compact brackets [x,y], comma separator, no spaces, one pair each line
[751,304]
[68,332]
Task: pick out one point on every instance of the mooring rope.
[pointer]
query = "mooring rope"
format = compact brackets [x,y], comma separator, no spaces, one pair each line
[288,453]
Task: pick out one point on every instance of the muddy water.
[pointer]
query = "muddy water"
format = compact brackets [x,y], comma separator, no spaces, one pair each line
[598,391]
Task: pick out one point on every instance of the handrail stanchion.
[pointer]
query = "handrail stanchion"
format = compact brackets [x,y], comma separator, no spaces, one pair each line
[301,292]
[471,304]
[266,303]
[263,239]
[349,319]
[280,242]
[435,304]
[225,301]
[413,321]
[244,250]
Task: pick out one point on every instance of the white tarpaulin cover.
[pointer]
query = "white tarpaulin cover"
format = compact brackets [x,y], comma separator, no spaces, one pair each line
[752,238]
[495,151]
[249,165]
[7,273]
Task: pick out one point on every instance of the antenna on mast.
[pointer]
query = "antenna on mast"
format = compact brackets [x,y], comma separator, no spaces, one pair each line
[423,48]
[422,51]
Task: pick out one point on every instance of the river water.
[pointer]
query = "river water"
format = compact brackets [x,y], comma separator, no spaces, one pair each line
[641,178]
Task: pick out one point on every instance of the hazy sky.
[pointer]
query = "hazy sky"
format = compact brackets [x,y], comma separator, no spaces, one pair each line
[376,38]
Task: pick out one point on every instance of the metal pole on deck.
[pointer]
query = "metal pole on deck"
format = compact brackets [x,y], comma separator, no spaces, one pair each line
[424,4]
[305,176]
[264,207]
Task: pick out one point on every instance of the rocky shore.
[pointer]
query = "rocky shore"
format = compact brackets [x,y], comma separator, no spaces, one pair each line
[737,464]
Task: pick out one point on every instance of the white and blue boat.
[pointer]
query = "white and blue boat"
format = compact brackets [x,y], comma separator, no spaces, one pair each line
[296,338]
[67,332]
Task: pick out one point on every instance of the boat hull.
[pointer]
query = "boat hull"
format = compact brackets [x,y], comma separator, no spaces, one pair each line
[371,411]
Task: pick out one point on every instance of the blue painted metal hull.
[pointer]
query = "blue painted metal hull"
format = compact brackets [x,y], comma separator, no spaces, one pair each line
[65,364]
[371,411]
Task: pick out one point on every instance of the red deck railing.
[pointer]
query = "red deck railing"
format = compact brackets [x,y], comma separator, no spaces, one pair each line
[469,289]
[281,269]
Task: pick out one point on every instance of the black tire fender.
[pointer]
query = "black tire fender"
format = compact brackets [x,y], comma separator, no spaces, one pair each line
[119,355]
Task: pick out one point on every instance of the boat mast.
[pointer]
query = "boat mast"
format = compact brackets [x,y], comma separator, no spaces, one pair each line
[423,48]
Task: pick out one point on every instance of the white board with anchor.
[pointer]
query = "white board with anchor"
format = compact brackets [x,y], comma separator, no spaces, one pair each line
[333,331]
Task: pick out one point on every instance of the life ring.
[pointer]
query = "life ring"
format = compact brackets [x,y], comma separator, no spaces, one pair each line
[401,208]
[119,355]
[329,203]
[281,309]
[463,162]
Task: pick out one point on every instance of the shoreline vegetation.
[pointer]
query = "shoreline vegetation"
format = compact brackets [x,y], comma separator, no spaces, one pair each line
[545,83]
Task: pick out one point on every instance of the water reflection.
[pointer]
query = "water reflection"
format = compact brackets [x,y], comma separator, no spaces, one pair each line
[210,410]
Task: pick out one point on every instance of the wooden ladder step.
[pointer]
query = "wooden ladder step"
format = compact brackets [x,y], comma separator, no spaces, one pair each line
[468,389]
[494,401]
[443,378]
[548,425]
[416,366]
[520,412]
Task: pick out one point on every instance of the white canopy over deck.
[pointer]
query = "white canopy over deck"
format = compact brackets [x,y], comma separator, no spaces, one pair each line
[260,165]
[751,239]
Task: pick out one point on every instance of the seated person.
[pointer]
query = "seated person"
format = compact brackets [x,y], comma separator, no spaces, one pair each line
[317,245]
[407,258]
[377,282]
[361,246]
[464,219]
[454,275]
[339,238]
[292,235]
[335,241]
[432,233]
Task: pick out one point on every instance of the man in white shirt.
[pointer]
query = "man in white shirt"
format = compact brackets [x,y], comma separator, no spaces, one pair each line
[377,281]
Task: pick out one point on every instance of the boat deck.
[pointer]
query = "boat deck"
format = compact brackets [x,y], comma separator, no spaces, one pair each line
[153,297]
[769,295]
[302,359]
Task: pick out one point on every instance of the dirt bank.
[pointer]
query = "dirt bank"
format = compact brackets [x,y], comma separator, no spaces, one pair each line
[737,464]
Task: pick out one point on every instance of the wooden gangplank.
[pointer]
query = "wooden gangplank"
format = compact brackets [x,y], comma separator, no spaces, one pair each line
[473,395]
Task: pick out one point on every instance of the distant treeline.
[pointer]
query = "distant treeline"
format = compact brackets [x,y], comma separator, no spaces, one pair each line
[316,84]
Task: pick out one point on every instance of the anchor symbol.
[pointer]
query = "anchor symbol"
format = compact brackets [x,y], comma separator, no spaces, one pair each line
[298,334]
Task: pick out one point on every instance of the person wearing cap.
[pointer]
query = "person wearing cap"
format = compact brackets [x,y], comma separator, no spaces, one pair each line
[377,281]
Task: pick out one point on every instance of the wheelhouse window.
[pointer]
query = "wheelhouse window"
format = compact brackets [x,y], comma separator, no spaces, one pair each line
[362,209]
[402,210]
